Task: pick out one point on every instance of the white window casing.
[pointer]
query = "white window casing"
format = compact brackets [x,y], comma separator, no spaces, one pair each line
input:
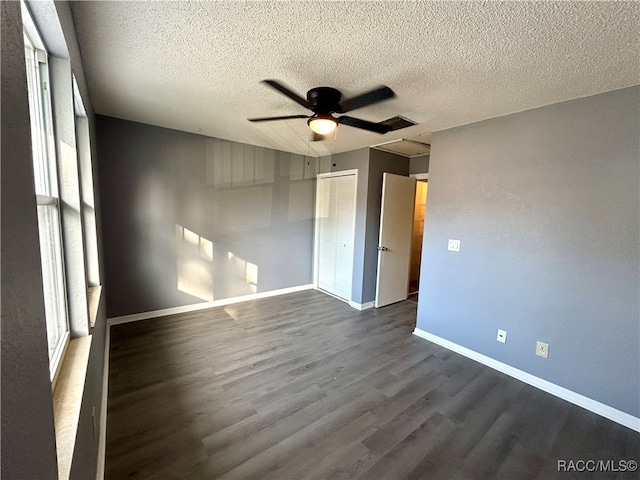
[47,195]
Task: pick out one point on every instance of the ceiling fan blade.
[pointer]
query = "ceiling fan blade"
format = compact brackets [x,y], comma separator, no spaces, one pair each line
[285,91]
[267,119]
[363,124]
[369,98]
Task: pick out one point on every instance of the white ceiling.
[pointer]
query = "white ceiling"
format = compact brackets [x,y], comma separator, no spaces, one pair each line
[196,65]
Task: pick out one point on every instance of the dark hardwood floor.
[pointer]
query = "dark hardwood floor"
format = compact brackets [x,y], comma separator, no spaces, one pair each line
[304,386]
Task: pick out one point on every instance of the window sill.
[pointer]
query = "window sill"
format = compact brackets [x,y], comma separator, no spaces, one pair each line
[67,399]
[94,294]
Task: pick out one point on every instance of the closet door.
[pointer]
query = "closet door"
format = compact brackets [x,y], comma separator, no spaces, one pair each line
[335,236]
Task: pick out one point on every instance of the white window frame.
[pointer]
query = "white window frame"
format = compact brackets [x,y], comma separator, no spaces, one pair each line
[85,167]
[47,195]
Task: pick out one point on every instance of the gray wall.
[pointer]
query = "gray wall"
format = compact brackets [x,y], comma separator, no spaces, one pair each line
[371,164]
[28,441]
[27,435]
[545,203]
[419,164]
[162,190]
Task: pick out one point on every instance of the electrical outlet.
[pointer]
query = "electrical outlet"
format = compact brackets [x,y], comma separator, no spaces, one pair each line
[454,245]
[542,349]
[502,336]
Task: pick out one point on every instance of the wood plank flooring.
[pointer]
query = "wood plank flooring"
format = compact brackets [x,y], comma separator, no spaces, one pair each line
[304,386]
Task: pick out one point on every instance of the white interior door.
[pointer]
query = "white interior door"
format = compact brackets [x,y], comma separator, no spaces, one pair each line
[336,197]
[394,244]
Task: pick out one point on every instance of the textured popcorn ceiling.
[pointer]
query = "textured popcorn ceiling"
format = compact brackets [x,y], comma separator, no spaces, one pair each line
[197,66]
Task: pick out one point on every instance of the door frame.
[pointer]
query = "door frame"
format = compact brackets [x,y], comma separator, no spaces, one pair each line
[316,226]
[419,177]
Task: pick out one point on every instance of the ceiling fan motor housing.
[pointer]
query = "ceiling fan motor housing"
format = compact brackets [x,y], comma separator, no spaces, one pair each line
[324,99]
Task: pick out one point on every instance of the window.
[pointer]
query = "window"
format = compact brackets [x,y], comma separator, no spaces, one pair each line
[47,197]
[83,148]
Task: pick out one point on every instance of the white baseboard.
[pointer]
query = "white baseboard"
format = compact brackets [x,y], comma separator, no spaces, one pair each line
[577,399]
[361,306]
[102,441]
[352,304]
[204,305]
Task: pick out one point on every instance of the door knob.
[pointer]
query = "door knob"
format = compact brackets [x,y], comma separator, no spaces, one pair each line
[383,249]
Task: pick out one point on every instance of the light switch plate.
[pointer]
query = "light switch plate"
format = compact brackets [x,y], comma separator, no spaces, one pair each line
[454,245]
[502,336]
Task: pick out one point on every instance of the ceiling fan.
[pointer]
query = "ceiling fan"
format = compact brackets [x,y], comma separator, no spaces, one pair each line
[325,101]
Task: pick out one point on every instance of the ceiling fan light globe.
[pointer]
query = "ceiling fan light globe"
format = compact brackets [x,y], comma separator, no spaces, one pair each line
[322,126]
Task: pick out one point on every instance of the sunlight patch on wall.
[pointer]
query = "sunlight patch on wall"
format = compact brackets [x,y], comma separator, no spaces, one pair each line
[242,269]
[194,264]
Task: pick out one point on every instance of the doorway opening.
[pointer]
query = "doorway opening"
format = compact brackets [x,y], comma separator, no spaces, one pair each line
[419,213]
